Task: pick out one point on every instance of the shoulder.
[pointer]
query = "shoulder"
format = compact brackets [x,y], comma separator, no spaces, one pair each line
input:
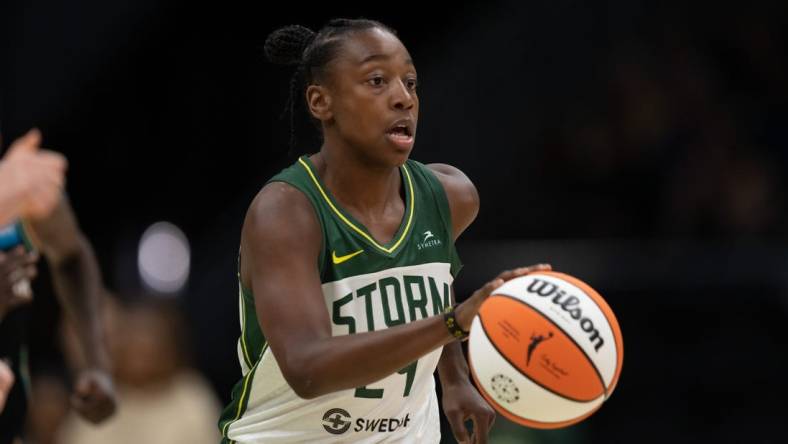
[453,180]
[280,225]
[461,193]
[280,211]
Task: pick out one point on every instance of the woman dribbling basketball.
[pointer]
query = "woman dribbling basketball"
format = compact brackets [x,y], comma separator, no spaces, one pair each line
[347,262]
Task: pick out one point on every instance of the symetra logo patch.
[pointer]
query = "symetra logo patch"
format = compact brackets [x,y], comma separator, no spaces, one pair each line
[428,240]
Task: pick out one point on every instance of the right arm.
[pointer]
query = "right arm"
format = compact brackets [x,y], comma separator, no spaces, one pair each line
[280,245]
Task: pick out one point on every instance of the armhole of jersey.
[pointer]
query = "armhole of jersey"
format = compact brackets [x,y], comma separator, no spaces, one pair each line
[445,212]
[244,288]
[321,257]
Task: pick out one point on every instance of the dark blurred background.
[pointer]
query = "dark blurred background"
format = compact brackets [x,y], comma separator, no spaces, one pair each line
[640,146]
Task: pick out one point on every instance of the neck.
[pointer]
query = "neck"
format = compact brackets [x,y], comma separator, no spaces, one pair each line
[365,187]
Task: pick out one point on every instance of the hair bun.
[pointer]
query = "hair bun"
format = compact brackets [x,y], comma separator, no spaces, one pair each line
[286,45]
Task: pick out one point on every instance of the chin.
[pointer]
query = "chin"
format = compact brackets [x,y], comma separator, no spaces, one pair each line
[387,157]
[396,156]
[400,157]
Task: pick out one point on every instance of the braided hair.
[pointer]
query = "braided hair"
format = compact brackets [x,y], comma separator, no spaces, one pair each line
[311,52]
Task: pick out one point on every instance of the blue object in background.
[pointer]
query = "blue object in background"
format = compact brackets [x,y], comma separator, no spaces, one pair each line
[14,235]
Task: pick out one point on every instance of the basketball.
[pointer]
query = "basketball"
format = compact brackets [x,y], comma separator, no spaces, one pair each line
[545,350]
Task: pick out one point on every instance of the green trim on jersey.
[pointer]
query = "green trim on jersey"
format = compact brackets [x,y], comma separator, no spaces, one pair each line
[236,409]
[253,344]
[348,219]
[240,400]
[252,338]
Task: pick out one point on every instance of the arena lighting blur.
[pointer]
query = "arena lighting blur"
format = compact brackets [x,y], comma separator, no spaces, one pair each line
[164,258]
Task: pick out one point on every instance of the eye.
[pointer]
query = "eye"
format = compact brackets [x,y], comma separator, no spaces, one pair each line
[377,81]
[412,83]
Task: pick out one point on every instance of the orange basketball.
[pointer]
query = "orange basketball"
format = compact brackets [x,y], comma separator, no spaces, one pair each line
[545,350]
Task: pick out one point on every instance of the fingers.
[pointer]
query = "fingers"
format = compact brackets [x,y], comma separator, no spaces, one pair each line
[29,142]
[488,288]
[17,261]
[42,199]
[13,260]
[85,407]
[522,271]
[95,407]
[468,309]
[86,387]
[94,411]
[17,268]
[482,423]
[45,188]
[457,423]
[52,159]
[49,166]
[31,258]
[36,176]
[93,397]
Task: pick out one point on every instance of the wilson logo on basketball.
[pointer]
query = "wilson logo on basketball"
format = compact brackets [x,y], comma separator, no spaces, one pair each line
[569,304]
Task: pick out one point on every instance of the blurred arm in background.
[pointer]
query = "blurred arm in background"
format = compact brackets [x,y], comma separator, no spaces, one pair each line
[31,180]
[78,284]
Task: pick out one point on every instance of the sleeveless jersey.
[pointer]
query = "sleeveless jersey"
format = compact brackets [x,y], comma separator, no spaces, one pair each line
[366,287]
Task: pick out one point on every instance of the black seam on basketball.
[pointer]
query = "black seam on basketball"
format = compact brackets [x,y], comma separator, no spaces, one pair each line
[522,373]
[608,322]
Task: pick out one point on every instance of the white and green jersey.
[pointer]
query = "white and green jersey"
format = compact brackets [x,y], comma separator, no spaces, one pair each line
[366,287]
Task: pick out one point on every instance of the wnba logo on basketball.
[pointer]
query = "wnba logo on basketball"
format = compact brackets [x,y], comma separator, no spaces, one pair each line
[546,289]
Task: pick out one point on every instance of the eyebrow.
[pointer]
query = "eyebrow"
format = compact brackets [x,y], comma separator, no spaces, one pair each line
[374,57]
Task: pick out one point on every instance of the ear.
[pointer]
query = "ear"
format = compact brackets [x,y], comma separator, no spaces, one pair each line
[319,101]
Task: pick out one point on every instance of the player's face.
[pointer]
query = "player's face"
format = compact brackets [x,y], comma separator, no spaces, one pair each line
[374,103]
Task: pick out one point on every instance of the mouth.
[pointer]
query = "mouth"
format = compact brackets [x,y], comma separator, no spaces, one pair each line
[401,133]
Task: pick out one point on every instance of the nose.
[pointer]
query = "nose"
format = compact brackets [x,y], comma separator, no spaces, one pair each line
[402,98]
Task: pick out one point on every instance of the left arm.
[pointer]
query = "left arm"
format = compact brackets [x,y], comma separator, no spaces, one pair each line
[77,282]
[461,400]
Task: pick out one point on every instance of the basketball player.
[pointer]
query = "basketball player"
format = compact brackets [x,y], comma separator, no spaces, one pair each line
[347,261]
[77,282]
[31,180]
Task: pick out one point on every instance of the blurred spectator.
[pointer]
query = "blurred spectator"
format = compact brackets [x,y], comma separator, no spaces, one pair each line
[160,399]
